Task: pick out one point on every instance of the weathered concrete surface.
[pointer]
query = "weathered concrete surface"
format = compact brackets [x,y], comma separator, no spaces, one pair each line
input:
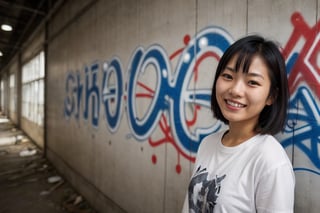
[92,105]
[24,185]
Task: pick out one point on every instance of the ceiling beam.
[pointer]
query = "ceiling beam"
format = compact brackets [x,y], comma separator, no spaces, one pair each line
[20,7]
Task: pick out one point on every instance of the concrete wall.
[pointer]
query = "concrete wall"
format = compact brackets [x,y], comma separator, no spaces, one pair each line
[128,94]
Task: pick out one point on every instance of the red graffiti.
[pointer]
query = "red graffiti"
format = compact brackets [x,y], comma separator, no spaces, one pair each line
[305,68]
[163,123]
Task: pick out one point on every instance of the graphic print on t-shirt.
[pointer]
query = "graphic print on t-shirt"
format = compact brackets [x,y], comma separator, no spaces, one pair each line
[203,193]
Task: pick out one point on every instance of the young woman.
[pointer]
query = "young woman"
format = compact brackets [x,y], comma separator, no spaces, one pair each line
[245,169]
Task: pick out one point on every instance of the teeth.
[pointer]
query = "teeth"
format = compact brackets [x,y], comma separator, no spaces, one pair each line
[235,104]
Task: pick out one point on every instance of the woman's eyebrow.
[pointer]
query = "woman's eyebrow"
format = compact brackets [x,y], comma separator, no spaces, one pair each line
[253,74]
[230,69]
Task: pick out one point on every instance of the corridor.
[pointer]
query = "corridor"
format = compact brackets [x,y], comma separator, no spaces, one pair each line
[28,182]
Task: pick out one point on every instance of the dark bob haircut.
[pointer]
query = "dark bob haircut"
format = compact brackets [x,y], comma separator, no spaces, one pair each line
[272,118]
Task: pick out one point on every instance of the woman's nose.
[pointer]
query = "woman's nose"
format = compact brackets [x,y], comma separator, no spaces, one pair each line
[237,89]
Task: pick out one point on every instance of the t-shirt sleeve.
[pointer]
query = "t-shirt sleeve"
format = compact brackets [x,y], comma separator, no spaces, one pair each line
[275,190]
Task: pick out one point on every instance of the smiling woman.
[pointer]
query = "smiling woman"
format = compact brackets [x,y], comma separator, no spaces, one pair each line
[246,59]
[245,169]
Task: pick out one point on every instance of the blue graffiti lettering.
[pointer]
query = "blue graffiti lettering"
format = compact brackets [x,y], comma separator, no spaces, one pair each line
[92,93]
[112,93]
[74,93]
[154,56]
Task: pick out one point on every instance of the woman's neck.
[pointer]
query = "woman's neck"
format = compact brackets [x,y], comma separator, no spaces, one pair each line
[237,135]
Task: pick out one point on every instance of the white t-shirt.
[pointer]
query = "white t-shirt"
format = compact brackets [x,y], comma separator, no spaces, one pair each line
[255,176]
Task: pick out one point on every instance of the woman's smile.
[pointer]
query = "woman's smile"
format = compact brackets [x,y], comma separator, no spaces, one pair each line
[234,104]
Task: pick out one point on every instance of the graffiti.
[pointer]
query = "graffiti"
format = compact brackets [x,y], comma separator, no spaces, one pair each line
[303,126]
[112,94]
[172,94]
[163,104]
[302,64]
[303,129]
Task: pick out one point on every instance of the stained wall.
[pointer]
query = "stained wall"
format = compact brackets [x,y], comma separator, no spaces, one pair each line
[128,93]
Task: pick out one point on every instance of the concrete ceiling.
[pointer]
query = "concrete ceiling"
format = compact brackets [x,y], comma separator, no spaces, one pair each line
[24,16]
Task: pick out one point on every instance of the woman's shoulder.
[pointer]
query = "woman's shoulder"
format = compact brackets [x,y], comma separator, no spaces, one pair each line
[271,151]
[269,143]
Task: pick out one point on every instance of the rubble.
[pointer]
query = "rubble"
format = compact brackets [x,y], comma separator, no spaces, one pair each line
[29,182]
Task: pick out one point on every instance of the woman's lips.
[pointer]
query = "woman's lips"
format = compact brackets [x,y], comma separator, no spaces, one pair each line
[234,104]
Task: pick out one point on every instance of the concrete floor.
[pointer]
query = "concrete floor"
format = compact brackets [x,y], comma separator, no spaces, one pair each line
[28,182]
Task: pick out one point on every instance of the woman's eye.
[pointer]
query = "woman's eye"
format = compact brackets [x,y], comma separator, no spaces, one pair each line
[226,76]
[253,83]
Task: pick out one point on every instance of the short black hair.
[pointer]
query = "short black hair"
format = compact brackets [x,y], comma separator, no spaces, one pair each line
[272,118]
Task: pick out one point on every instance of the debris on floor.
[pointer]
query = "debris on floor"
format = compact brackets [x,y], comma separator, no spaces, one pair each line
[29,182]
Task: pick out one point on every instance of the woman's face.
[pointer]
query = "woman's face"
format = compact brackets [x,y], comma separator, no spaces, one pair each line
[242,96]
